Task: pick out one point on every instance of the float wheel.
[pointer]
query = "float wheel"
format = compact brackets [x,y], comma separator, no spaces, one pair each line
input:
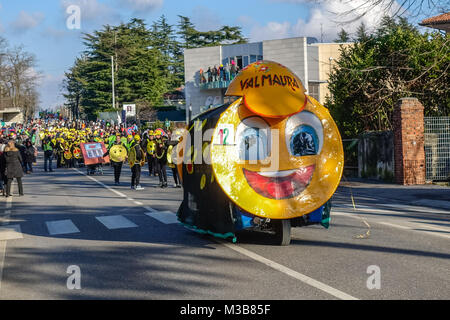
[282,230]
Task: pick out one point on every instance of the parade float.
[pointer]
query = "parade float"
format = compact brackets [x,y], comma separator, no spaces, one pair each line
[269,161]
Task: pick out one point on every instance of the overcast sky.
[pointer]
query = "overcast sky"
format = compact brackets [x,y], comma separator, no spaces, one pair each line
[41,26]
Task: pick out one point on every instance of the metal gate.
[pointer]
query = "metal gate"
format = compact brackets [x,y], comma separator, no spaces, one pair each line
[437,148]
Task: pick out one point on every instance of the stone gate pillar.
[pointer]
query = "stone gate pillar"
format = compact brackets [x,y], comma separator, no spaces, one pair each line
[409,142]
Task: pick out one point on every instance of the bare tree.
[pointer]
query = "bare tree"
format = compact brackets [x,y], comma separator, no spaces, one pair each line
[18,80]
[357,9]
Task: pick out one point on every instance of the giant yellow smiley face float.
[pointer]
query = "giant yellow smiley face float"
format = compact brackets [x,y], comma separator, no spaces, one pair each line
[276,158]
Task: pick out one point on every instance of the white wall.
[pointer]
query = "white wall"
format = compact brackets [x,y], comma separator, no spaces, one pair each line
[194,60]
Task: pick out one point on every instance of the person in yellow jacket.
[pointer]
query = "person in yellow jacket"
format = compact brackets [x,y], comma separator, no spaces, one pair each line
[139,155]
[151,158]
[172,165]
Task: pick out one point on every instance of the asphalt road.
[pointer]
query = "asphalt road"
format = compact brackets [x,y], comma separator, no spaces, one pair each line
[127,245]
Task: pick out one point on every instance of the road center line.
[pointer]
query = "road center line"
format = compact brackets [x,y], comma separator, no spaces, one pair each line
[274,265]
[398,226]
[120,194]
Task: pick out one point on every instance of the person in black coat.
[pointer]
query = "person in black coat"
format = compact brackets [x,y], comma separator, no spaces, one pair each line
[28,157]
[13,167]
[117,166]
[3,178]
[161,158]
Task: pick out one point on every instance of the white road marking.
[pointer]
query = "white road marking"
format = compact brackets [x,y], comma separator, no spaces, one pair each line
[120,194]
[61,227]
[2,260]
[422,227]
[116,222]
[395,225]
[10,233]
[292,273]
[166,217]
[9,203]
[3,243]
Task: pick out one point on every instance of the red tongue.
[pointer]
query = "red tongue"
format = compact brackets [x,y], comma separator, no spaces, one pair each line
[280,190]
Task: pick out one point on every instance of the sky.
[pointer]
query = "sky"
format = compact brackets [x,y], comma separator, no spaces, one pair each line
[41,27]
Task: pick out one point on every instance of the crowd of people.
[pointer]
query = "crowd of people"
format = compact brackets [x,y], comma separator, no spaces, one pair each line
[61,143]
[219,73]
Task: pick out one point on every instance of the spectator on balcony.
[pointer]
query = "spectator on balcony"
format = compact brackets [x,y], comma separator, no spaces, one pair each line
[221,73]
[202,76]
[215,73]
[209,75]
[227,70]
[233,69]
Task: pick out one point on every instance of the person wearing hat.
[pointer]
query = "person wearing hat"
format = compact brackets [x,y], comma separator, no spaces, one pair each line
[136,169]
[129,142]
[48,147]
[13,167]
[117,165]
[151,147]
[161,158]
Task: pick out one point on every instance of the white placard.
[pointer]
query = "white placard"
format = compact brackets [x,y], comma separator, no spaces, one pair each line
[130,109]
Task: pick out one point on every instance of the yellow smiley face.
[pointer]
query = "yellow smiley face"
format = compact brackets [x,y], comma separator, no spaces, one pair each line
[278,168]
[118,153]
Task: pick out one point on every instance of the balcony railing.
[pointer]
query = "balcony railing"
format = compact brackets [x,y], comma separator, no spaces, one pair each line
[215,85]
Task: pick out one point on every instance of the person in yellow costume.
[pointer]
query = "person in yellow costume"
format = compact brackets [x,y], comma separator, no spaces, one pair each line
[138,156]
[151,158]
[118,154]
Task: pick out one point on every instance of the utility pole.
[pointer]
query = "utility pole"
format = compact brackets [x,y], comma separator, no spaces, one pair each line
[112,76]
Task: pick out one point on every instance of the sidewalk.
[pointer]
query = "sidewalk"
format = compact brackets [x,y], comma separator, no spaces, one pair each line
[434,196]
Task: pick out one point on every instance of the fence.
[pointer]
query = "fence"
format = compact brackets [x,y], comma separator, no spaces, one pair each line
[437,148]
[351,157]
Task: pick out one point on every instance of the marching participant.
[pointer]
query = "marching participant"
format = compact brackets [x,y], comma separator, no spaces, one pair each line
[118,154]
[136,159]
[151,147]
[48,146]
[161,158]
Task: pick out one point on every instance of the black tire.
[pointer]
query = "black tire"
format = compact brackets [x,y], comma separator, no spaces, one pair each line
[282,230]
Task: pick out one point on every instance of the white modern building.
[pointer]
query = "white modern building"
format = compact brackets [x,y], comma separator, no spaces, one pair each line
[308,59]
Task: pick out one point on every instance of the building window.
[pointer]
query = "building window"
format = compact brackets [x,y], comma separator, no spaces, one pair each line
[245,61]
[314,91]
[239,62]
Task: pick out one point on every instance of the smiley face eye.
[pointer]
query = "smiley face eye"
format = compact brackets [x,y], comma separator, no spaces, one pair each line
[252,139]
[253,145]
[304,141]
[304,134]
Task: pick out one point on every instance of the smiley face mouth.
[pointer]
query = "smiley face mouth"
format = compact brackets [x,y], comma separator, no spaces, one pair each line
[280,185]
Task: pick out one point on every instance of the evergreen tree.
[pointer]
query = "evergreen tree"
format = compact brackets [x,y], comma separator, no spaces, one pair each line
[397,61]
[343,36]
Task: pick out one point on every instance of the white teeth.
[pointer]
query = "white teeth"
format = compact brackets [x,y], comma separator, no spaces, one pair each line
[277,174]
